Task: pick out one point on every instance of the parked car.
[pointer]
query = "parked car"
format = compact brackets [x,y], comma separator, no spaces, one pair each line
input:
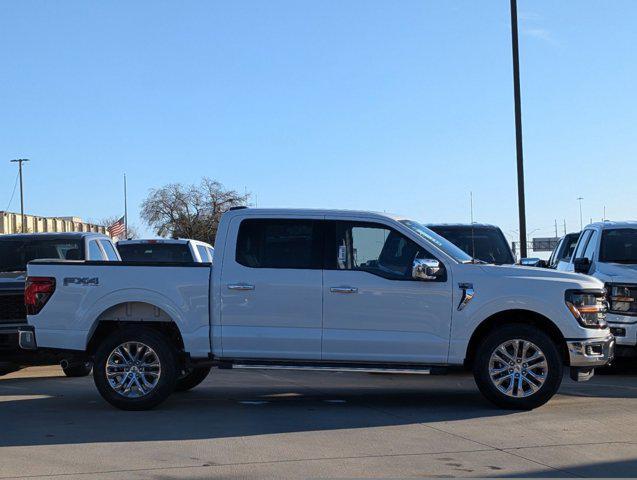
[481,241]
[320,290]
[164,250]
[608,252]
[563,251]
[15,252]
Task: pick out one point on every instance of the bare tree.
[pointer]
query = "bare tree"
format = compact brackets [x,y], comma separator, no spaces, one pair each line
[191,211]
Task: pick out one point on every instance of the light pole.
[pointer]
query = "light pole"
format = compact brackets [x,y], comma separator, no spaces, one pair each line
[20,161]
[581,223]
[518,125]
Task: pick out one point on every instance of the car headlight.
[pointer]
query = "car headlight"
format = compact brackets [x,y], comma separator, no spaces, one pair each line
[622,298]
[588,307]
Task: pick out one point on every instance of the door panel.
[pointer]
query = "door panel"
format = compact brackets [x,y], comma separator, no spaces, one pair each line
[269,312]
[385,316]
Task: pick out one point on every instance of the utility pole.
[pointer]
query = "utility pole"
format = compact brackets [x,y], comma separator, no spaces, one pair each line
[20,161]
[581,222]
[125,211]
[556,228]
[564,226]
[518,125]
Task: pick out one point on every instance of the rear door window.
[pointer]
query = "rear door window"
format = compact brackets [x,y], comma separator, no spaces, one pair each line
[277,243]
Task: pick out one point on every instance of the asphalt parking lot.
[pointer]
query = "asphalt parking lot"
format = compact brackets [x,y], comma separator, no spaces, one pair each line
[266,424]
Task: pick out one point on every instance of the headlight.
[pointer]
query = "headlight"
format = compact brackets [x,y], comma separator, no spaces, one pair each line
[622,299]
[588,307]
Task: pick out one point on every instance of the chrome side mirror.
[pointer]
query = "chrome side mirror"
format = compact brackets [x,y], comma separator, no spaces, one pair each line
[426,269]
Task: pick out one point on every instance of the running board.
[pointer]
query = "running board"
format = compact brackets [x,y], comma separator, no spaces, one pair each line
[334,368]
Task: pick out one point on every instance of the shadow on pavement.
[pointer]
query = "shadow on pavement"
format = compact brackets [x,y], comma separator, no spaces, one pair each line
[619,469]
[58,410]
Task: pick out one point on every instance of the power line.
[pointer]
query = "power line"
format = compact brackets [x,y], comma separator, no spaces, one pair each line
[15,184]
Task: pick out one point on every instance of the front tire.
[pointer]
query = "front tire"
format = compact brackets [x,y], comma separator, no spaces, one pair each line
[518,367]
[192,378]
[135,368]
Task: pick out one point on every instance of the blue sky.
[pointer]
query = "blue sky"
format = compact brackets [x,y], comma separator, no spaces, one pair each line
[398,106]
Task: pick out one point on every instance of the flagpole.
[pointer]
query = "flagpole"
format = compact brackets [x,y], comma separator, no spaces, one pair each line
[125,211]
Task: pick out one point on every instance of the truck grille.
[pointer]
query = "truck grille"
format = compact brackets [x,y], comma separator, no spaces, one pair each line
[12,308]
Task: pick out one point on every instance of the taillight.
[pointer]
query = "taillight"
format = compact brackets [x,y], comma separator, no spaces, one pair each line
[37,292]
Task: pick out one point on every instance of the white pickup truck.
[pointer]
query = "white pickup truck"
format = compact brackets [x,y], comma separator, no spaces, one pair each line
[320,290]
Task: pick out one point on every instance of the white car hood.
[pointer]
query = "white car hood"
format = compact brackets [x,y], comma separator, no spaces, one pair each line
[570,280]
[617,272]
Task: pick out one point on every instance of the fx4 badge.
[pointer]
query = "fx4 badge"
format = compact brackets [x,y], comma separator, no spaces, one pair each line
[82,281]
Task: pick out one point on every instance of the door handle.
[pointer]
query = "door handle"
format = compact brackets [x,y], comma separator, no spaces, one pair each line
[343,289]
[240,286]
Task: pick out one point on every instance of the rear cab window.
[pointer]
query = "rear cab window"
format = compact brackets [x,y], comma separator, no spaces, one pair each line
[156,252]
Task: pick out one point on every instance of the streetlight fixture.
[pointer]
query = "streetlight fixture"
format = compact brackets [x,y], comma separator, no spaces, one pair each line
[20,161]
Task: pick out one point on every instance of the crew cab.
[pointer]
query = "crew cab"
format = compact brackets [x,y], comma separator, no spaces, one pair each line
[179,250]
[322,290]
[608,252]
[15,252]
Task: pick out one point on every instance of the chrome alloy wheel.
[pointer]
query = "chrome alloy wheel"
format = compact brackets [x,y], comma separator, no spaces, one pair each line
[133,369]
[518,368]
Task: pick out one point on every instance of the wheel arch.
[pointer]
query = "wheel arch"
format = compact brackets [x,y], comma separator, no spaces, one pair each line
[508,317]
[129,314]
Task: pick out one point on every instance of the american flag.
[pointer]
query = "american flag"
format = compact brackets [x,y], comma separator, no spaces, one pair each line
[117,229]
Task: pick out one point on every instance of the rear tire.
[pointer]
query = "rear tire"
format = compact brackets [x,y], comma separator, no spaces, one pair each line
[192,378]
[78,370]
[506,379]
[141,371]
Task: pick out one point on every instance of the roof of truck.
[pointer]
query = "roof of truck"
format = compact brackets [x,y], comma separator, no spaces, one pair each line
[313,211]
[56,235]
[607,225]
[460,225]
[169,241]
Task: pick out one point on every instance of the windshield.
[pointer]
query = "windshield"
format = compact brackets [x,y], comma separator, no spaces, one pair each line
[16,253]
[443,244]
[484,243]
[619,245]
[155,252]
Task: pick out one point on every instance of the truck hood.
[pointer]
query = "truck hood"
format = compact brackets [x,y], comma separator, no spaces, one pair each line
[535,274]
[617,272]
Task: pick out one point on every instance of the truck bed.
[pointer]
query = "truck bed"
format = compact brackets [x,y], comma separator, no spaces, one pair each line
[89,291]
